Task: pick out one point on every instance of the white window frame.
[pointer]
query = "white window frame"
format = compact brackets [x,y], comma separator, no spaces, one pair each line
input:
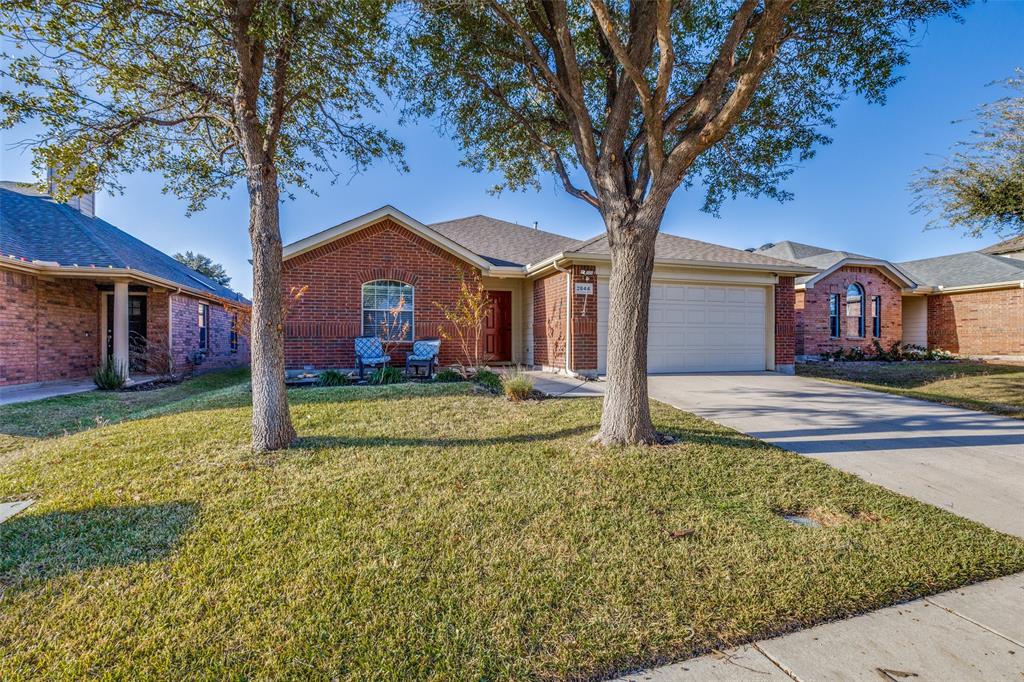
[363,309]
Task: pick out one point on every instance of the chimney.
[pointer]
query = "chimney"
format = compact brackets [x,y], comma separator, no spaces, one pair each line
[85,203]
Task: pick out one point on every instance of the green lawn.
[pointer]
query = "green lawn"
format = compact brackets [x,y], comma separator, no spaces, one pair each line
[23,422]
[978,386]
[432,531]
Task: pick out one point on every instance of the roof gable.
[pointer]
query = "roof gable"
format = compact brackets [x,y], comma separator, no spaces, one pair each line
[348,227]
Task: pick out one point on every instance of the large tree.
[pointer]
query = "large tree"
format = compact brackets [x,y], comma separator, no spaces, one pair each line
[624,101]
[980,186]
[209,93]
[204,265]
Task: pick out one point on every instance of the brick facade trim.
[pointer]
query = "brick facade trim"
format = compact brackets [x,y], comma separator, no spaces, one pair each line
[811,325]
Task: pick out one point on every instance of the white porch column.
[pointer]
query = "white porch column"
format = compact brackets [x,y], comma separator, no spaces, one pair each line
[121,326]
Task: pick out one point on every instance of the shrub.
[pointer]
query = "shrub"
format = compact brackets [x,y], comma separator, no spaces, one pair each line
[332,377]
[489,380]
[108,376]
[386,375]
[449,376]
[517,386]
[856,354]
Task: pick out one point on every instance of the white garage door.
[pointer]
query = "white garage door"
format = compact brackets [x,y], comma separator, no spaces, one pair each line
[697,328]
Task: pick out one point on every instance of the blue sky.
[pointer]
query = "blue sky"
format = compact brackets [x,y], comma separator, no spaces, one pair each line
[852,196]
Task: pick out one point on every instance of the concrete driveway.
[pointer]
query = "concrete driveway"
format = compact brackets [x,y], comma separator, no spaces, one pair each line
[970,463]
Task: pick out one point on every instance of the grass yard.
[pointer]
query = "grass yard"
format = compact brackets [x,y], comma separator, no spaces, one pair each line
[974,385]
[434,532]
[23,422]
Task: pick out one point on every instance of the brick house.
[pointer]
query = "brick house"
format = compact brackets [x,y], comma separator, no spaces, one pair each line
[74,290]
[967,303]
[712,308]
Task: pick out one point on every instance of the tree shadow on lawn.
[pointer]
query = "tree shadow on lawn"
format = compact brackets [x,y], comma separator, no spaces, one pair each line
[724,439]
[45,546]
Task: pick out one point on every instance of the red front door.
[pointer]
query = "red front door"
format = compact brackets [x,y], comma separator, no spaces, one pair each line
[498,327]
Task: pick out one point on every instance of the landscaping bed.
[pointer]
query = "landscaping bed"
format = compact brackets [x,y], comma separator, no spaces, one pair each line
[434,531]
[996,388]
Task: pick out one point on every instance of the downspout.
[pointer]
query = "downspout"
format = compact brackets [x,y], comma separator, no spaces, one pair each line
[568,315]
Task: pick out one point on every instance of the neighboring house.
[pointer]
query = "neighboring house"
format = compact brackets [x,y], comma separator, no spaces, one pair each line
[76,289]
[1009,248]
[968,303]
[712,308]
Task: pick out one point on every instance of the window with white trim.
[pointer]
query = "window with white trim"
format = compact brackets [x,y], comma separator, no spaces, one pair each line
[388,310]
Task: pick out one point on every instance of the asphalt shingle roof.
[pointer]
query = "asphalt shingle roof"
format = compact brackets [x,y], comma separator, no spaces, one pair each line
[674,247]
[964,269]
[1011,245]
[794,251]
[504,243]
[35,227]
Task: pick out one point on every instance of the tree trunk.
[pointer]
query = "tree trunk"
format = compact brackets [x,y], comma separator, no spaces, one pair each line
[271,422]
[626,418]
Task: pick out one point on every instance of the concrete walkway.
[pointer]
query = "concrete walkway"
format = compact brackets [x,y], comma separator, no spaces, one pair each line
[969,463]
[48,389]
[975,633]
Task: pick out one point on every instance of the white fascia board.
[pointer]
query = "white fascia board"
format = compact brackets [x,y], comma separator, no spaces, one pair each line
[864,263]
[355,224]
[794,269]
[97,272]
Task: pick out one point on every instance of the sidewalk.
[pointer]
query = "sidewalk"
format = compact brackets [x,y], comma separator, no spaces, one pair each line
[973,633]
[24,393]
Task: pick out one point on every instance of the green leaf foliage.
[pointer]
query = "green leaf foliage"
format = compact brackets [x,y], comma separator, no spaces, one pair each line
[980,186]
[204,265]
[199,91]
[480,65]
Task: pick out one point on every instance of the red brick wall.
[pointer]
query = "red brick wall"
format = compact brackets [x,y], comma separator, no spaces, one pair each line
[978,323]
[185,335]
[320,328]
[157,319]
[785,322]
[50,328]
[584,321]
[549,320]
[812,311]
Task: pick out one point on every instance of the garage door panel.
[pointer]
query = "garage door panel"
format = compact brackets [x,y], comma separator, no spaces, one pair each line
[697,328]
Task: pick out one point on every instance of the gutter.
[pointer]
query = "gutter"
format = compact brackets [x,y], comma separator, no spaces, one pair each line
[568,314]
[93,272]
[1011,284]
[787,269]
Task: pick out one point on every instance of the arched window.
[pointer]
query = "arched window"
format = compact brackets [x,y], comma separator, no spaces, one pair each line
[855,310]
[388,310]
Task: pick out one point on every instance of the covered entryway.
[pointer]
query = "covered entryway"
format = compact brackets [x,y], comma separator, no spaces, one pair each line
[698,328]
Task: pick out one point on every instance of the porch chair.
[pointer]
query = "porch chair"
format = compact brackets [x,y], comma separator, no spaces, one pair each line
[423,354]
[369,353]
